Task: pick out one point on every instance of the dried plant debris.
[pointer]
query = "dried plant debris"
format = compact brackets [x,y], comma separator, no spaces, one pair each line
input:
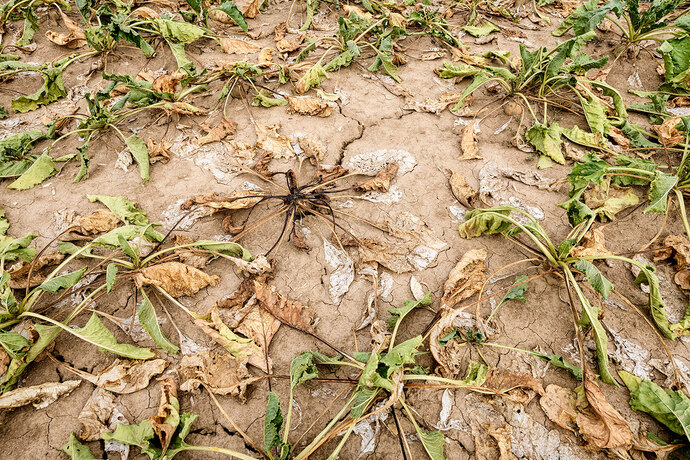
[175,278]
[39,396]
[125,376]
[221,373]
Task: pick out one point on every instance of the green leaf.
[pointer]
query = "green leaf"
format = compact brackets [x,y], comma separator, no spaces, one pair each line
[148,319]
[46,336]
[344,59]
[77,450]
[568,22]
[263,99]
[671,408]
[485,221]
[433,443]
[656,301]
[408,305]
[595,278]
[659,190]
[363,399]
[180,32]
[183,62]
[595,114]
[547,140]
[479,79]
[460,70]
[516,292]
[273,423]
[579,136]
[235,14]
[140,153]
[481,31]
[312,78]
[110,276]
[11,248]
[30,27]
[53,89]
[126,210]
[132,435]
[559,361]
[15,146]
[97,334]
[4,223]
[128,232]
[42,169]
[59,283]
[14,344]
[312,7]
[302,369]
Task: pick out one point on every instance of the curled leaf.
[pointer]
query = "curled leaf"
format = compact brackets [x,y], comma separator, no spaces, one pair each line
[175,278]
[39,395]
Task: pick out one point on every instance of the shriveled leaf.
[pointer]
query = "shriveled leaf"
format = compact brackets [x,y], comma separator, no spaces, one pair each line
[466,278]
[276,145]
[307,105]
[39,395]
[95,415]
[237,46]
[381,182]
[175,278]
[126,376]
[225,128]
[286,310]
[222,373]
[468,144]
[461,190]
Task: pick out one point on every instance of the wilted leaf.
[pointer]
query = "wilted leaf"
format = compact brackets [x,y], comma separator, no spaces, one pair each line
[175,278]
[165,422]
[307,105]
[381,182]
[222,373]
[39,395]
[123,208]
[461,190]
[547,140]
[225,128]
[468,144]
[659,189]
[592,244]
[53,89]
[95,415]
[273,423]
[287,311]
[125,376]
[237,46]
[74,39]
[276,145]
[148,319]
[313,77]
[466,278]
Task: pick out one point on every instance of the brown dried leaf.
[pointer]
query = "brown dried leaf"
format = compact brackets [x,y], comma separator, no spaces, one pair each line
[307,105]
[667,132]
[95,415]
[607,429]
[250,351]
[4,361]
[514,384]
[618,137]
[75,38]
[161,426]
[287,46]
[559,404]
[223,374]
[430,105]
[98,222]
[158,151]
[39,395]
[167,83]
[676,246]
[593,243]
[225,128]
[249,8]
[662,451]
[452,356]
[265,58]
[314,149]
[466,278]
[276,145]
[237,46]
[462,191]
[287,311]
[381,182]
[125,376]
[19,271]
[502,436]
[259,266]
[146,12]
[468,144]
[215,202]
[682,279]
[175,278]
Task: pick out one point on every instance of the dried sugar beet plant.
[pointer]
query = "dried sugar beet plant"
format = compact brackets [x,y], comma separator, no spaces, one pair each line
[319,197]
